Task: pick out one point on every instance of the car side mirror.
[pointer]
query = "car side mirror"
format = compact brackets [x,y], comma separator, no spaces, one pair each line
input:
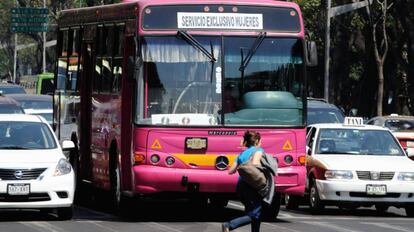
[311,54]
[67,145]
[410,153]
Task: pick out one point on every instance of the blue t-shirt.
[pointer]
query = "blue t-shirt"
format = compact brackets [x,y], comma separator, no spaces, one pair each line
[246,154]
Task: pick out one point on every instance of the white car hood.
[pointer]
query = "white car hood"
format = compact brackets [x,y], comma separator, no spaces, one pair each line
[367,163]
[27,158]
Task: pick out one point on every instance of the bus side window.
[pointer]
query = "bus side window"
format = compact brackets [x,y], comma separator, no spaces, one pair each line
[63,59]
[117,58]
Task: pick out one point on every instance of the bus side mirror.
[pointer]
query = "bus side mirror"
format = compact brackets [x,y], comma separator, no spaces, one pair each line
[311,54]
[133,66]
[308,150]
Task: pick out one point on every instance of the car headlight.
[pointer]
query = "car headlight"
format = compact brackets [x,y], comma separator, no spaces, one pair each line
[406,176]
[62,168]
[338,174]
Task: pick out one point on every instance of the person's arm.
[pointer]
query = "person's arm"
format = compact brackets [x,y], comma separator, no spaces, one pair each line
[256,158]
[233,168]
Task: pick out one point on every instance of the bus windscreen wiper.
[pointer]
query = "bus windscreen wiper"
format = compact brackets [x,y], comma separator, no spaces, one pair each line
[245,60]
[194,42]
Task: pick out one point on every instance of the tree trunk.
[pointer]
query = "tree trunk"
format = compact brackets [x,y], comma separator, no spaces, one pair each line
[380,95]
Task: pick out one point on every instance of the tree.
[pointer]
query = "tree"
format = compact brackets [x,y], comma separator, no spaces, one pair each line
[377,21]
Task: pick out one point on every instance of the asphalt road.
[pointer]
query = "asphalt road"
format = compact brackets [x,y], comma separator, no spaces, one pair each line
[180,216]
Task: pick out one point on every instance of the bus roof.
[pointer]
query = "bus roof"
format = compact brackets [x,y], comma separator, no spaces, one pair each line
[128,10]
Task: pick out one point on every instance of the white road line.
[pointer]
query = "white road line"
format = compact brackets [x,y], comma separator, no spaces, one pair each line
[163,227]
[42,226]
[331,226]
[388,226]
[96,223]
[281,228]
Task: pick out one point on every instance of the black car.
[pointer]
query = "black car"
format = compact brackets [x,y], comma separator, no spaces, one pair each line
[320,111]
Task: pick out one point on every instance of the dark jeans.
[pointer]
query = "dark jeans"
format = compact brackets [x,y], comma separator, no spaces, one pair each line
[252,202]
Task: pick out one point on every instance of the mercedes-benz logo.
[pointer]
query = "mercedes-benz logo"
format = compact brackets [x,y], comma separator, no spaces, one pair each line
[18,174]
[375,175]
[222,163]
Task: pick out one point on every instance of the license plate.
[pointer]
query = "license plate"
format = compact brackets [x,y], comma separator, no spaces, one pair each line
[18,189]
[410,143]
[376,189]
[196,143]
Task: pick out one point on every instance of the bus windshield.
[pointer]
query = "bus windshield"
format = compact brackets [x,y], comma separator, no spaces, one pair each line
[255,81]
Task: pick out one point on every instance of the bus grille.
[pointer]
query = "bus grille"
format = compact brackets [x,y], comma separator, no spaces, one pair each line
[366,175]
[24,174]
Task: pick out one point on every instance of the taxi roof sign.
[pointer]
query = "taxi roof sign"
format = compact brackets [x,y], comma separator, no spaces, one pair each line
[353,121]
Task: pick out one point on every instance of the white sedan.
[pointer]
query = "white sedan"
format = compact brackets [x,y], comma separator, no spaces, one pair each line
[358,165]
[34,173]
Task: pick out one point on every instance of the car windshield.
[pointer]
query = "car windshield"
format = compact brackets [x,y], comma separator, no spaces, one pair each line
[34,104]
[399,124]
[25,135]
[320,115]
[358,142]
[12,89]
[10,109]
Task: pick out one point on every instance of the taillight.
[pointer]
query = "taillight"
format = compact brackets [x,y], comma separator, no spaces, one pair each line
[139,158]
[302,160]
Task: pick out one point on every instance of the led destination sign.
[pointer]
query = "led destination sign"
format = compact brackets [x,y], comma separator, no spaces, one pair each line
[219,21]
[221,17]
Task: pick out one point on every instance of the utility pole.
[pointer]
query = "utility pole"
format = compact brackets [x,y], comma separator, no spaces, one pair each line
[330,13]
[44,44]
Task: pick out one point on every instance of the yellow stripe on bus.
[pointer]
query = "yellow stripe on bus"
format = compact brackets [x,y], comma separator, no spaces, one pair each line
[203,159]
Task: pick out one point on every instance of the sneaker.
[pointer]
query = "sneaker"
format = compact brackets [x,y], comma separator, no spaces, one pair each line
[225,227]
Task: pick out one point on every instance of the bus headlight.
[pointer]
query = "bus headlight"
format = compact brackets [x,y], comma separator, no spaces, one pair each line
[338,174]
[62,168]
[406,176]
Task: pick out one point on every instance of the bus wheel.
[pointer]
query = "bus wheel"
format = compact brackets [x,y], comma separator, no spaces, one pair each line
[270,212]
[118,201]
[409,210]
[291,202]
[218,202]
[315,203]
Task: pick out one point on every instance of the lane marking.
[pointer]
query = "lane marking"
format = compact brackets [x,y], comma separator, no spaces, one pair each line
[97,223]
[387,226]
[331,226]
[281,228]
[163,227]
[42,226]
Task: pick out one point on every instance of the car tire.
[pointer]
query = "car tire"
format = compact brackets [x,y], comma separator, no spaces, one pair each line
[64,213]
[315,204]
[291,202]
[270,212]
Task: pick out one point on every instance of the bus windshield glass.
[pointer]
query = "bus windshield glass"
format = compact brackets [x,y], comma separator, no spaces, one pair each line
[256,81]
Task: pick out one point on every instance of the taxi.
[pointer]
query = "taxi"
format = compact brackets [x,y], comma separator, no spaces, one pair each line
[353,165]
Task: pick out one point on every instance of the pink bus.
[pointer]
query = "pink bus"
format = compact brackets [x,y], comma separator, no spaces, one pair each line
[165,89]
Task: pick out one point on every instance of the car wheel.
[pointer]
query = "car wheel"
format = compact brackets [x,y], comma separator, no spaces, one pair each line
[315,204]
[291,202]
[409,210]
[119,202]
[65,213]
[270,212]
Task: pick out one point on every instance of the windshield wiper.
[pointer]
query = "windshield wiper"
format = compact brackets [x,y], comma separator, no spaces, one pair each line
[245,60]
[14,148]
[194,42]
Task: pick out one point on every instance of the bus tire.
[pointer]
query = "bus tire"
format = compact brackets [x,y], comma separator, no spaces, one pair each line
[291,202]
[119,204]
[270,212]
